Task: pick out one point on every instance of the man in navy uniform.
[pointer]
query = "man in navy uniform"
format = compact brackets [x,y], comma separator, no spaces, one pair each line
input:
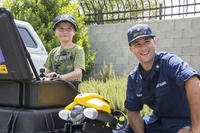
[165,83]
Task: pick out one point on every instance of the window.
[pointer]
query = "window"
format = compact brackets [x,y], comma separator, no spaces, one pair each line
[26,37]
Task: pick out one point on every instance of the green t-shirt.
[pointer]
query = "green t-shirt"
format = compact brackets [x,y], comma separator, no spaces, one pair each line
[66,60]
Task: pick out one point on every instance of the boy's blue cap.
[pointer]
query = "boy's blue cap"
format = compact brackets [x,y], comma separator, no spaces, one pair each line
[65,18]
[138,31]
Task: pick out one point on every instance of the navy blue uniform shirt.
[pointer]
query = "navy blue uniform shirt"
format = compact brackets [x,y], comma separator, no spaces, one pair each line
[164,88]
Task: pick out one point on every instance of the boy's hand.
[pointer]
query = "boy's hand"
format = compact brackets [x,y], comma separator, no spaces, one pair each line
[52,74]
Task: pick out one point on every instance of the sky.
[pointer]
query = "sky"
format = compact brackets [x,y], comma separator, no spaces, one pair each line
[183,9]
[1,1]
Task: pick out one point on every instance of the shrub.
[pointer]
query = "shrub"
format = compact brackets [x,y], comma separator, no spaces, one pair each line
[112,89]
[106,72]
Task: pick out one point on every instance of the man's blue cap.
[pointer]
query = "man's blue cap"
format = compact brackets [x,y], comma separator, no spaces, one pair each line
[65,18]
[138,31]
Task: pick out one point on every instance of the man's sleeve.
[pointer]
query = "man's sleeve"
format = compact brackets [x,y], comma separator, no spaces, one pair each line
[179,70]
[132,102]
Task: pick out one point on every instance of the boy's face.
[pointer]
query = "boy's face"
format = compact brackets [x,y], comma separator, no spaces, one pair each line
[64,31]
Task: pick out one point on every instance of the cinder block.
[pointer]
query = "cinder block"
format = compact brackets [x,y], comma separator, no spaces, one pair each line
[181,24]
[195,23]
[190,51]
[167,25]
[174,34]
[122,60]
[196,41]
[182,42]
[175,50]
[165,42]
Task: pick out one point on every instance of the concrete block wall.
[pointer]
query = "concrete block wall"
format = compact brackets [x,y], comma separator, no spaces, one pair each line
[181,36]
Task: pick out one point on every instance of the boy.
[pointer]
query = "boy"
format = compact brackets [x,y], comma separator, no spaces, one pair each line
[66,61]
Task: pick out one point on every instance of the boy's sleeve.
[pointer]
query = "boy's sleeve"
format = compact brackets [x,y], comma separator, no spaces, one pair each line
[48,63]
[80,59]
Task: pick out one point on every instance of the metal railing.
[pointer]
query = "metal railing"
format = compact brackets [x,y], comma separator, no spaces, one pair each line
[116,11]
